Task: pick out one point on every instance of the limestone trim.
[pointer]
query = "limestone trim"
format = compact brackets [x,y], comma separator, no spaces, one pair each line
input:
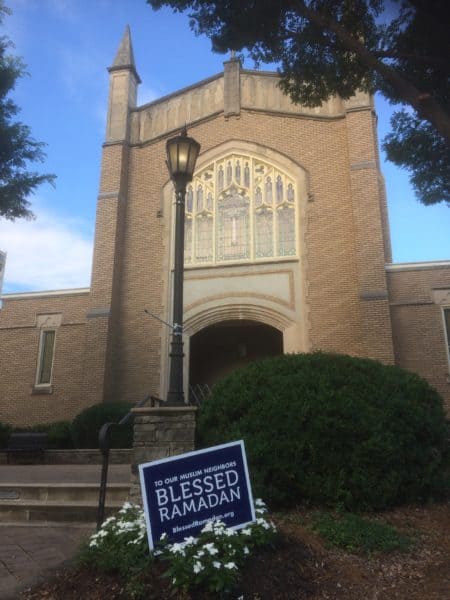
[27,295]
[118,142]
[354,109]
[260,262]
[268,297]
[374,295]
[13,327]
[164,410]
[94,313]
[179,92]
[418,266]
[441,296]
[293,115]
[237,312]
[239,295]
[414,303]
[365,164]
[109,195]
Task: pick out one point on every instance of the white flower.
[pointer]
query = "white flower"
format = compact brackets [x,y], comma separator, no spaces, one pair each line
[189,540]
[264,524]
[177,549]
[208,527]
[216,564]
[198,567]
[230,565]
[211,549]
[247,531]
[260,502]
[230,532]
[246,550]
[108,520]
[163,536]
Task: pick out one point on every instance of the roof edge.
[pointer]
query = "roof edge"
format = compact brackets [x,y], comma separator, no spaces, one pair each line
[44,293]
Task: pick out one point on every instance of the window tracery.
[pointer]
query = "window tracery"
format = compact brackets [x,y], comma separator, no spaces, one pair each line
[240,208]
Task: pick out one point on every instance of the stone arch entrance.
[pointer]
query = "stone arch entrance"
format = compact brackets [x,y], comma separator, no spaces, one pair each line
[219,349]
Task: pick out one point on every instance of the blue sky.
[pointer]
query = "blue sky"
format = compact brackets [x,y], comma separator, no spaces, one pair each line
[67,45]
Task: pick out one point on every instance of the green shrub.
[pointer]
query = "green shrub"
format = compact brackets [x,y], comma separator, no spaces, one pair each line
[5,431]
[357,534]
[59,435]
[86,426]
[331,430]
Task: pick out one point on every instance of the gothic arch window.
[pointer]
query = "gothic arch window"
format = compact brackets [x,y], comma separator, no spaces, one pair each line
[240,209]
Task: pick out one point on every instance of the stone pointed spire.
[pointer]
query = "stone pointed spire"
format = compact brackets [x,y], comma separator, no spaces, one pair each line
[125,57]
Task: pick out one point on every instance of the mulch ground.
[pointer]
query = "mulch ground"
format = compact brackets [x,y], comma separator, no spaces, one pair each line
[300,566]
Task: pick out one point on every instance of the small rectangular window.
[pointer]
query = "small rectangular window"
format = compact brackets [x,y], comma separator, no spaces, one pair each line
[447,329]
[45,362]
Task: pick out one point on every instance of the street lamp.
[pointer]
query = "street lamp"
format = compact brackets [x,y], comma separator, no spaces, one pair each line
[182,152]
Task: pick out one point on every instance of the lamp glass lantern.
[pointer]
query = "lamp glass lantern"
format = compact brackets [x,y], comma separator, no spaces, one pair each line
[182,152]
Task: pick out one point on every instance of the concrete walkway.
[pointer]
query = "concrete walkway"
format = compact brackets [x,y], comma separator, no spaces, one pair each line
[29,553]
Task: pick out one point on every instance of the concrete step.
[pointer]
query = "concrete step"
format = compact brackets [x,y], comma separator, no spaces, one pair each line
[35,511]
[62,492]
[57,502]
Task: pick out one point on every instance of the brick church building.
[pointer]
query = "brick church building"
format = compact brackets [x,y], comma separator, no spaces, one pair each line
[287,249]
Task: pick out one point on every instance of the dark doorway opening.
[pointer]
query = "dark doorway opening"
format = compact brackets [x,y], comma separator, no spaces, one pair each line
[221,348]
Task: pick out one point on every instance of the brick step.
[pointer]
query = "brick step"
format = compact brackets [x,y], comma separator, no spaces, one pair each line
[62,492]
[35,511]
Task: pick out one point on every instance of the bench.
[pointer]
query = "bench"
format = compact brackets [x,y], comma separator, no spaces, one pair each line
[32,444]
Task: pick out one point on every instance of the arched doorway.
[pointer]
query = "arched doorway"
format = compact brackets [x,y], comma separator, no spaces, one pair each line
[221,348]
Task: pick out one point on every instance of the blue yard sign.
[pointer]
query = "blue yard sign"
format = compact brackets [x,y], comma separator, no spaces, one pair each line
[181,493]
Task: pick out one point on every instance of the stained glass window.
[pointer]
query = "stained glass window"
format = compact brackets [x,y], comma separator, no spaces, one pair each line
[233,240]
[264,233]
[240,208]
[203,238]
[286,231]
[188,240]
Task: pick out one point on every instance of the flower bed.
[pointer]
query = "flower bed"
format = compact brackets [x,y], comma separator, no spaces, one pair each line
[212,561]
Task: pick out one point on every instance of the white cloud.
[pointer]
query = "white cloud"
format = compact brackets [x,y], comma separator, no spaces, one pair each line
[52,252]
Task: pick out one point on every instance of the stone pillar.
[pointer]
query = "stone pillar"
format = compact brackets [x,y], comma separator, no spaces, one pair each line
[158,433]
[232,88]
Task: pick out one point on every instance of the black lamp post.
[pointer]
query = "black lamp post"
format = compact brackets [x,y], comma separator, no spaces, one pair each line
[182,152]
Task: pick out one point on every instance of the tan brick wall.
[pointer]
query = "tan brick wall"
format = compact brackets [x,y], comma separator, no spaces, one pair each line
[417,324]
[19,343]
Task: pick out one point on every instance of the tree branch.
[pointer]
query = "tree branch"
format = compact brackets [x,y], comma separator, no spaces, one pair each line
[425,105]
[437,60]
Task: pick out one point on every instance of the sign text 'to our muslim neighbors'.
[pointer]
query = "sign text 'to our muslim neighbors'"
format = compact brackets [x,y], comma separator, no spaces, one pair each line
[181,493]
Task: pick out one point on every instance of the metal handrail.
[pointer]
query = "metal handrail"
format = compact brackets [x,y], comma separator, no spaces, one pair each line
[103,442]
